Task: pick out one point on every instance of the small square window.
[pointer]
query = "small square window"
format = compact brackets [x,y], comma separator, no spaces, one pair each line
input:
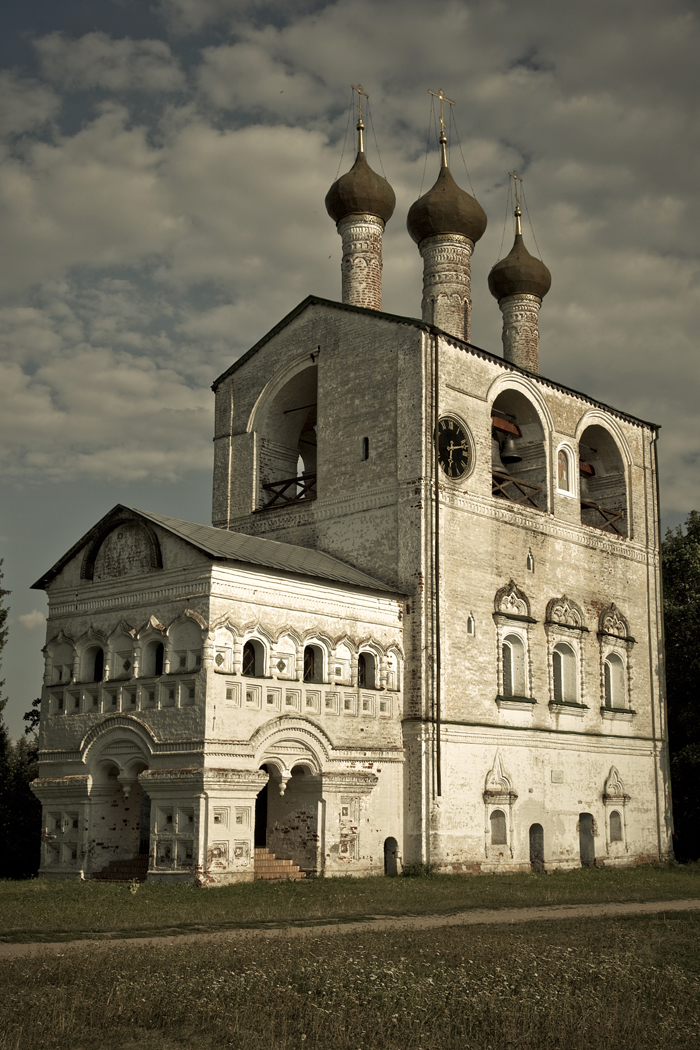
[329,701]
[345,811]
[249,698]
[271,698]
[309,701]
[239,818]
[198,660]
[217,818]
[190,693]
[183,660]
[58,824]
[289,701]
[94,701]
[365,704]
[60,703]
[74,854]
[171,694]
[229,694]
[347,704]
[114,700]
[132,698]
[75,822]
[383,706]
[169,818]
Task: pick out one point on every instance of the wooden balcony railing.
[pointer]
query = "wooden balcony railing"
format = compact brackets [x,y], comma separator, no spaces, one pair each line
[292,490]
[514,489]
[609,517]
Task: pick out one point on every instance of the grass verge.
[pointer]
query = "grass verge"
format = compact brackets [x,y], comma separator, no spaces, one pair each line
[596,984]
[40,909]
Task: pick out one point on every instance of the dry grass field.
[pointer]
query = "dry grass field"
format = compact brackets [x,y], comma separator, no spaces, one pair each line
[595,984]
[39,909]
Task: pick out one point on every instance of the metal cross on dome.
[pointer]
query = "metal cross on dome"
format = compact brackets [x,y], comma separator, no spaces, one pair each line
[443,99]
[360,93]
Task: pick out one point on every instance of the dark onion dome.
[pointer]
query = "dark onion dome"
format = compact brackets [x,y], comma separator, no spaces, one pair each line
[360,190]
[519,272]
[446,209]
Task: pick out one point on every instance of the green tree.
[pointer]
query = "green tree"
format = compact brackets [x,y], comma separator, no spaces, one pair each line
[680,552]
[20,811]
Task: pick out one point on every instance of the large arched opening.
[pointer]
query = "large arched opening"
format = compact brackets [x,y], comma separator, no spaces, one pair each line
[519,457]
[603,483]
[287,430]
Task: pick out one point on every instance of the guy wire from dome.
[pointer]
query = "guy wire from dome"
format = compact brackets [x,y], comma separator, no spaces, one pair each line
[360,190]
[519,272]
[445,208]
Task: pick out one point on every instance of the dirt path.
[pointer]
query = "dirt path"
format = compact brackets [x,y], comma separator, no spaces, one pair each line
[474,917]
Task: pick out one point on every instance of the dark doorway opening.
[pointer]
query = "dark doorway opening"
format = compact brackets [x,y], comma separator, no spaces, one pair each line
[536,847]
[391,857]
[260,835]
[144,824]
[585,840]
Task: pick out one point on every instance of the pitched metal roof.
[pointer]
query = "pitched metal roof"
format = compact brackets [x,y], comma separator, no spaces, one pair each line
[316,300]
[223,545]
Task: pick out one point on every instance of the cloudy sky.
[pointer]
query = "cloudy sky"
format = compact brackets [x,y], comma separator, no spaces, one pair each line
[163,165]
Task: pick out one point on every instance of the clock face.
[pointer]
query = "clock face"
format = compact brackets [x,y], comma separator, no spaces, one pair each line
[454,448]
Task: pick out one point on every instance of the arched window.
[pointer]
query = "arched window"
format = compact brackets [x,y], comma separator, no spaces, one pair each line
[153,659]
[614,672]
[513,653]
[615,827]
[366,671]
[498,828]
[564,472]
[98,666]
[564,674]
[313,663]
[253,659]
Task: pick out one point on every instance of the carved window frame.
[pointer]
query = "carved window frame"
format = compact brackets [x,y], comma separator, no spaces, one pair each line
[565,448]
[614,638]
[564,625]
[512,616]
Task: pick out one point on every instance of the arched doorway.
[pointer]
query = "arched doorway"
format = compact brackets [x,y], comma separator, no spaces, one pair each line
[536,847]
[391,857]
[586,840]
[287,816]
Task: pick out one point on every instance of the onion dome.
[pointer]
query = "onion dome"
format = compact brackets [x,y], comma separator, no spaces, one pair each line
[519,272]
[446,209]
[360,190]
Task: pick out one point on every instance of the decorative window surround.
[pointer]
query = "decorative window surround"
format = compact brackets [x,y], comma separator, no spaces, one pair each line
[564,627]
[499,794]
[614,638]
[512,616]
[615,798]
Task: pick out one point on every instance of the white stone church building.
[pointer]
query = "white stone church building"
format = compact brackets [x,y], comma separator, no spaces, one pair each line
[424,626]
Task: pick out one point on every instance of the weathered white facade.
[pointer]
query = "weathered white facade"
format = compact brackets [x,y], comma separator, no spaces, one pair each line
[425,625]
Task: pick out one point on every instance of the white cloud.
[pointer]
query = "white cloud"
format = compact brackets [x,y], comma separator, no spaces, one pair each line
[96,61]
[26,104]
[31,620]
[141,256]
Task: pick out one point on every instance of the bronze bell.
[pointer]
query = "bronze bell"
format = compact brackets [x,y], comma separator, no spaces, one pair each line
[509,453]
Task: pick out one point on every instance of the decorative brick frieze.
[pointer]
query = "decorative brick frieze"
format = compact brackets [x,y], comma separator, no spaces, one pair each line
[361,266]
[447,283]
[521,330]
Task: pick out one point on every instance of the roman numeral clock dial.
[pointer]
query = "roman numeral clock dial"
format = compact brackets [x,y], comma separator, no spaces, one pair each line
[454,447]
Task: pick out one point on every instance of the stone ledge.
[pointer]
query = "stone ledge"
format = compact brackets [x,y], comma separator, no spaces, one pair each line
[515,703]
[568,707]
[618,714]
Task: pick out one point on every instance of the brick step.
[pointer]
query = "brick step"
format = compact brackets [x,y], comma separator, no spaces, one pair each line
[268,866]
